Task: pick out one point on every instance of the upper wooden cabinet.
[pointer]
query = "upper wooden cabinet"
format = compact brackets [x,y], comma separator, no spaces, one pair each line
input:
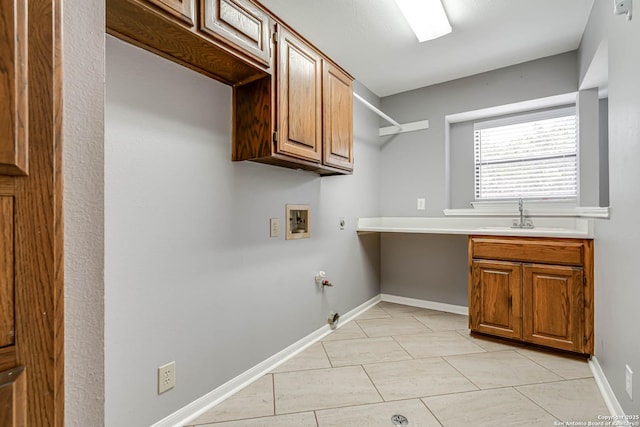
[292,106]
[182,9]
[163,27]
[302,118]
[13,88]
[299,98]
[537,290]
[241,22]
[337,111]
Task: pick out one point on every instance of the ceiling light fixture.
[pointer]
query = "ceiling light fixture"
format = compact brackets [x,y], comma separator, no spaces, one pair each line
[427,18]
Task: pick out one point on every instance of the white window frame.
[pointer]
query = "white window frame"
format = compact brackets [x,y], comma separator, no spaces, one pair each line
[523,118]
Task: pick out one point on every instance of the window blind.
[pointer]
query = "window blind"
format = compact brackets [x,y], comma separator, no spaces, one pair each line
[528,156]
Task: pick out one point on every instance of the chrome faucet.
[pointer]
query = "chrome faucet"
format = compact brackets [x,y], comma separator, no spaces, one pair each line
[523,223]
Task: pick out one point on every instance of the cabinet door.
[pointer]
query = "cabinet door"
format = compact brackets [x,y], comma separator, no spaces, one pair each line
[553,304]
[337,109]
[13,88]
[299,98]
[239,22]
[182,9]
[495,298]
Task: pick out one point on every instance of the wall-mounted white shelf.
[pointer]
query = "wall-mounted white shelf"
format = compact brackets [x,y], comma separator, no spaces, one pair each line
[397,127]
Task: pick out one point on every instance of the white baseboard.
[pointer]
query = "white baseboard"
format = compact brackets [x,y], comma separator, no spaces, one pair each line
[440,306]
[606,391]
[198,407]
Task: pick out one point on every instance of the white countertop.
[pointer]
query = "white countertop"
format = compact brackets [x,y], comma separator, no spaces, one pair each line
[491,226]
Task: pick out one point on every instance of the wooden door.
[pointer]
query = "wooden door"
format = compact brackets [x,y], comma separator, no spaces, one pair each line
[299,98]
[181,9]
[13,389]
[495,298]
[239,22]
[553,302]
[31,234]
[13,88]
[337,109]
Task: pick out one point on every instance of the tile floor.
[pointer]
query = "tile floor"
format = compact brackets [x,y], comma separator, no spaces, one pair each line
[423,364]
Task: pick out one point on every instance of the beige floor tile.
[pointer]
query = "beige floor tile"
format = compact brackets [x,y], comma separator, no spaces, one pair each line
[501,369]
[378,415]
[498,407]
[322,389]
[416,378]
[374,312]
[400,310]
[313,357]
[445,322]
[575,400]
[433,344]
[392,326]
[255,400]
[567,367]
[348,331]
[489,343]
[367,350]
[305,419]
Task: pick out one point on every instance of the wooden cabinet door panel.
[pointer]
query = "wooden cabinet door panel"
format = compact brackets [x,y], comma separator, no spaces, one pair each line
[13,388]
[299,97]
[337,107]
[495,305]
[181,9]
[553,298]
[239,22]
[13,88]
[6,272]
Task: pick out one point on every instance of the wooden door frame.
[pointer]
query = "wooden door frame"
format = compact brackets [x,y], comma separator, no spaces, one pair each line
[39,238]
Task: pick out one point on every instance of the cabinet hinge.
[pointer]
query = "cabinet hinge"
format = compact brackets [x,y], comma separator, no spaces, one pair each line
[510,301]
[584,280]
[274,37]
[275,137]
[584,340]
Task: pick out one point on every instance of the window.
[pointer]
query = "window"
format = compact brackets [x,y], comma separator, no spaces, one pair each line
[530,156]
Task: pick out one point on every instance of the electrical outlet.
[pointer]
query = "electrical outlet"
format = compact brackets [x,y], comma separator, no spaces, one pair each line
[628,381]
[166,377]
[274,224]
[421,204]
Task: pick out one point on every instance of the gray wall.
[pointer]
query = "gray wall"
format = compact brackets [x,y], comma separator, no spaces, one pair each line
[414,165]
[616,242]
[83,53]
[191,274]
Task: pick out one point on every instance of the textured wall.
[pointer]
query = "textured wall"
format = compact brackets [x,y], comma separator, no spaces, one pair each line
[83,52]
[191,274]
[616,243]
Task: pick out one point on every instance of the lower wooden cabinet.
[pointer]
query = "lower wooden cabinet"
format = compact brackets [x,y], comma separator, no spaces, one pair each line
[495,298]
[536,290]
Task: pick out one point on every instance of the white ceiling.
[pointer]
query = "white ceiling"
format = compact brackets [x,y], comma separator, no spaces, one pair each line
[373,42]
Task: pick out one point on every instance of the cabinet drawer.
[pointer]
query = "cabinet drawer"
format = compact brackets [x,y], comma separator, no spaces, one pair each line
[534,250]
[239,22]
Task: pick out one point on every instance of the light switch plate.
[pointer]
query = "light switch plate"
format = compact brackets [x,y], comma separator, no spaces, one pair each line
[274,227]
